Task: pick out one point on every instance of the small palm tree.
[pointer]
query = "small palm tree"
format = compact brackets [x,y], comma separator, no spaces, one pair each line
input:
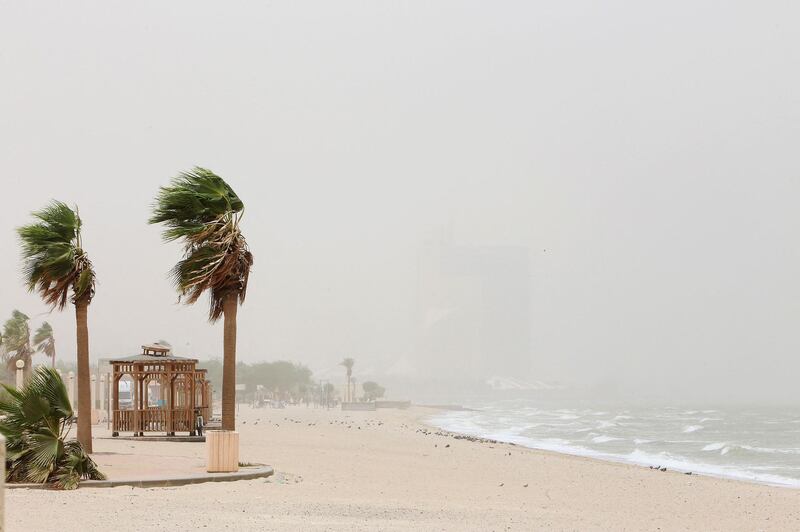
[17,342]
[55,265]
[45,342]
[348,364]
[202,210]
[36,422]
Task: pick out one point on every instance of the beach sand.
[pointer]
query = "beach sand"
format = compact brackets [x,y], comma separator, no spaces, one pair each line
[370,471]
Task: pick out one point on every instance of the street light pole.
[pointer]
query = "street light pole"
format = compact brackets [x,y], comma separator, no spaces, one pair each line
[20,365]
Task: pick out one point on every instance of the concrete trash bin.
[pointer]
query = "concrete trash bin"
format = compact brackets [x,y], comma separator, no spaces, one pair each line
[222,447]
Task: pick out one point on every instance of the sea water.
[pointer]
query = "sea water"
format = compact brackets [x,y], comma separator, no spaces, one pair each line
[753,444]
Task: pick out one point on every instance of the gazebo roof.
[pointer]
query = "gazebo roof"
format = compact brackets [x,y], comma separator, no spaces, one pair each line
[156,354]
[152,358]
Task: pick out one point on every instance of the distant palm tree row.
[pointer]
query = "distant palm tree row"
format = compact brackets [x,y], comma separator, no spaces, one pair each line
[197,208]
[16,343]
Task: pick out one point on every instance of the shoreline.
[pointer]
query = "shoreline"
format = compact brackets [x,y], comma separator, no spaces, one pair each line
[609,458]
[389,470]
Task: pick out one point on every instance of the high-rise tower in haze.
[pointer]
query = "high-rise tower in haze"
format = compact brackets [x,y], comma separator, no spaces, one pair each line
[473,311]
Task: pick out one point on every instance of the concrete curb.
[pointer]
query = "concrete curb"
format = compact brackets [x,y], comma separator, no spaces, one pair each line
[245,473]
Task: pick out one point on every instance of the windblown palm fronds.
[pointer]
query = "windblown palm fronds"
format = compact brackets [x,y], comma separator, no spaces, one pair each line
[53,258]
[201,209]
[36,421]
[17,340]
[45,342]
[348,364]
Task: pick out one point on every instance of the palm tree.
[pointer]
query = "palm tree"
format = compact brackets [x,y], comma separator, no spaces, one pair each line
[202,210]
[348,364]
[17,342]
[36,421]
[55,265]
[45,342]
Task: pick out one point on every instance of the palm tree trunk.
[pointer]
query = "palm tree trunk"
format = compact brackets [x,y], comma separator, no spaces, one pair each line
[84,390]
[230,307]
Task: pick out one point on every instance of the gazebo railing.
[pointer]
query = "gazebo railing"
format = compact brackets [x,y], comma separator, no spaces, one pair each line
[123,420]
[153,420]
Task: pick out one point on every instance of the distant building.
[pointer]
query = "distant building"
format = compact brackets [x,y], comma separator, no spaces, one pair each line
[473,311]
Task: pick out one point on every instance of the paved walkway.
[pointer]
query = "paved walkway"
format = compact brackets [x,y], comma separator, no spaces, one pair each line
[127,462]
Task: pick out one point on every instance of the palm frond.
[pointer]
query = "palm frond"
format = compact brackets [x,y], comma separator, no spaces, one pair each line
[16,340]
[35,422]
[201,209]
[53,261]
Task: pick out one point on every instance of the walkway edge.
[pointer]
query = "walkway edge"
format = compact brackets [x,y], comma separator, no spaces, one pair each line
[245,473]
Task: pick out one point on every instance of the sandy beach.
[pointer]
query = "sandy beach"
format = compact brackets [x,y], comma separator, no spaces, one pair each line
[386,470]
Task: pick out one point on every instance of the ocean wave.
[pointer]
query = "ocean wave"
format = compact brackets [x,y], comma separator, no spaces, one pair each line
[726,447]
[770,450]
[603,438]
[692,428]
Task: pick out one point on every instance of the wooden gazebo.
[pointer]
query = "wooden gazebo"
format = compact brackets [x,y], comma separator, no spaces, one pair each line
[165,391]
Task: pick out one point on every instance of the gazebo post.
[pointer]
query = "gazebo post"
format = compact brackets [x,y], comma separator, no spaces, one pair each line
[115,402]
[135,388]
[171,402]
[143,401]
[192,398]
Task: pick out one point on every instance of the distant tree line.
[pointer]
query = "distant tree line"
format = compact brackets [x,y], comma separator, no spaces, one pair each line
[280,379]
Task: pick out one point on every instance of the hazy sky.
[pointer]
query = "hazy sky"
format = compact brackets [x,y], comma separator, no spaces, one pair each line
[649,147]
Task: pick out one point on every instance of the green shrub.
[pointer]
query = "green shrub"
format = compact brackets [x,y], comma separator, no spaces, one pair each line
[37,420]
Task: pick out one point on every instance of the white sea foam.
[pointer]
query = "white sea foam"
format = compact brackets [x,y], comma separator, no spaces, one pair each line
[604,438]
[652,438]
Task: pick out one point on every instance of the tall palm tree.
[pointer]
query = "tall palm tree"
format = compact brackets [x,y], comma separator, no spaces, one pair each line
[348,364]
[56,266]
[45,342]
[202,210]
[17,342]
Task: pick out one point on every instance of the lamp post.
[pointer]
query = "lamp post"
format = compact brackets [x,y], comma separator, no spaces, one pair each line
[20,365]
[71,388]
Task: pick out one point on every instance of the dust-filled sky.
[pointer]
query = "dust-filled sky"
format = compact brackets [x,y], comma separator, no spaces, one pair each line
[645,154]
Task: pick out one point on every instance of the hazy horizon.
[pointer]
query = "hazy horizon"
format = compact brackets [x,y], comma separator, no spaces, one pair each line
[639,157]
